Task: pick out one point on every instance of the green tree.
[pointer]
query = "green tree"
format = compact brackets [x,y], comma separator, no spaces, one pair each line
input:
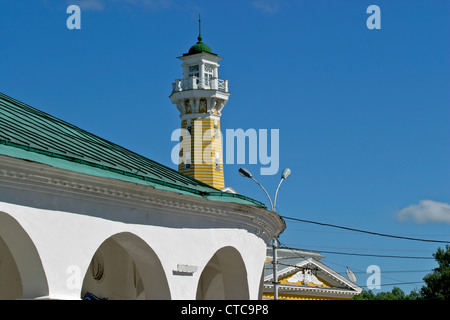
[395,294]
[438,282]
[365,295]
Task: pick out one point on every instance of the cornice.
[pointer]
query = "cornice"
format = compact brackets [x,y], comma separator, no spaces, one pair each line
[309,290]
[40,178]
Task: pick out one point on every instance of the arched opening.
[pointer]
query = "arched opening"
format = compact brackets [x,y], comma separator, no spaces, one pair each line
[224,277]
[10,281]
[21,271]
[261,285]
[124,267]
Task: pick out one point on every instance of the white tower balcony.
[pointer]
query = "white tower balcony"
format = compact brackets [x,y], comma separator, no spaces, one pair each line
[194,83]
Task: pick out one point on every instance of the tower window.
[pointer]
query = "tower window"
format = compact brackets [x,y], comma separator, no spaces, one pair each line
[217,162]
[188,127]
[193,69]
[194,72]
[208,74]
[187,161]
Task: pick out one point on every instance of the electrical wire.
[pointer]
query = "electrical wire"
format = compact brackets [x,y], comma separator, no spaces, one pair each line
[366,255]
[397,271]
[353,248]
[355,233]
[356,272]
[364,231]
[359,271]
[397,283]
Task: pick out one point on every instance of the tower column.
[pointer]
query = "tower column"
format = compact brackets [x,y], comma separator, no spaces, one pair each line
[202,76]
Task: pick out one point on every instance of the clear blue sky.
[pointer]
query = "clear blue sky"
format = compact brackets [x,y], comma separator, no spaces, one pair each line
[363,114]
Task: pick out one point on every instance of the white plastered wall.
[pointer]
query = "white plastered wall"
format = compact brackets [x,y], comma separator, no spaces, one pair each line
[66,243]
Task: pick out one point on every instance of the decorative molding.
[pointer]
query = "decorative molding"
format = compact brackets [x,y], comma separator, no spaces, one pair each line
[302,289]
[29,175]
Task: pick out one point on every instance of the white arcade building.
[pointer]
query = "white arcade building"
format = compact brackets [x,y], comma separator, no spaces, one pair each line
[83,218]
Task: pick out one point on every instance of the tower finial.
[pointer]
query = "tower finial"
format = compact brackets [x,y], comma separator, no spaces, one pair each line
[199,28]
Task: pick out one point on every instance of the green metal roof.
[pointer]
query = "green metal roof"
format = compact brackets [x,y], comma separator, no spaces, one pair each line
[28,133]
[199,47]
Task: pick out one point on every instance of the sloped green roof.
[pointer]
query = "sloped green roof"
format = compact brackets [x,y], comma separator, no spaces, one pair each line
[199,47]
[28,133]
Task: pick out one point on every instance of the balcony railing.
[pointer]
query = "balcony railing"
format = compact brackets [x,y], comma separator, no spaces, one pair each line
[192,83]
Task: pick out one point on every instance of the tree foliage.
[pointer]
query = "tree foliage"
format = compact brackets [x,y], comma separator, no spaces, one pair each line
[437,283]
[395,294]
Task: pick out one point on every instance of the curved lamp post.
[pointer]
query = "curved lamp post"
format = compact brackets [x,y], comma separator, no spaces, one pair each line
[284,175]
[246,174]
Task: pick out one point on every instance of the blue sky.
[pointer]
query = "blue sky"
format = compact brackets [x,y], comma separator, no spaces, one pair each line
[363,115]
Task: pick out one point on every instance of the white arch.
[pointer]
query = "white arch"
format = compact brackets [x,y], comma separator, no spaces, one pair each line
[25,255]
[224,277]
[126,261]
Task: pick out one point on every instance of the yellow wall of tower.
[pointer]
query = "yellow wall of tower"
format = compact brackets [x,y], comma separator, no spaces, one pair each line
[204,146]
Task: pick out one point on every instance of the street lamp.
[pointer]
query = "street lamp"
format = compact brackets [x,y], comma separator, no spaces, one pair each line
[284,175]
[246,174]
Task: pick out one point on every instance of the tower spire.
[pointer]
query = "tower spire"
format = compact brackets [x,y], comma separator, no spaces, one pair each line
[199,28]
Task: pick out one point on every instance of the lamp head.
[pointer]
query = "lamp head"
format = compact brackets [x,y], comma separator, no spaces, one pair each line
[286,173]
[245,173]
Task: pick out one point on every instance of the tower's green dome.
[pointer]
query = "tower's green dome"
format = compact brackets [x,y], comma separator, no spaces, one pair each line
[199,47]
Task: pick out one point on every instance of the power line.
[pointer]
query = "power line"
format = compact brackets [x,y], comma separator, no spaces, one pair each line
[396,271]
[361,271]
[358,272]
[391,271]
[295,252]
[397,283]
[367,255]
[364,272]
[353,248]
[350,233]
[364,231]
